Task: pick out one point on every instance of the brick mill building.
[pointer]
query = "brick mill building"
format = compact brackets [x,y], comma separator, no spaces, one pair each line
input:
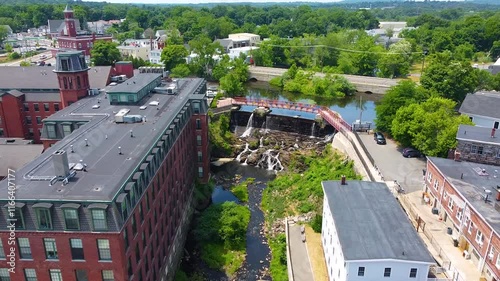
[70,39]
[466,196]
[111,197]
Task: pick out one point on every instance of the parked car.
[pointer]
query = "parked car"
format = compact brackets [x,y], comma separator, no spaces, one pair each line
[379,138]
[411,152]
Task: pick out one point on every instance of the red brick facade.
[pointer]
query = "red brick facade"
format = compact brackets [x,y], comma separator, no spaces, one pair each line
[475,234]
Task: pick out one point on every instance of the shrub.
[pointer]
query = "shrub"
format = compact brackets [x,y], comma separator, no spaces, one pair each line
[316,223]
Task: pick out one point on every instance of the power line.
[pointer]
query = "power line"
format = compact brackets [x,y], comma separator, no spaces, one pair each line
[341,49]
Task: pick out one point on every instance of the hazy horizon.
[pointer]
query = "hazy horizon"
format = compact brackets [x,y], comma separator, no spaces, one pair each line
[209,1]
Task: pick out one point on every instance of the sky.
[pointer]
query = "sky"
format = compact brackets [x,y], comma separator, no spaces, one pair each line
[205,1]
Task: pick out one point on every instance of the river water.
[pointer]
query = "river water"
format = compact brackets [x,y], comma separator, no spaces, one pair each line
[358,107]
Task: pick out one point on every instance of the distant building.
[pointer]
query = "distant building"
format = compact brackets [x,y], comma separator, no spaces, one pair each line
[134,52]
[155,56]
[237,52]
[478,144]
[495,68]
[239,40]
[367,236]
[466,197]
[57,27]
[71,39]
[101,26]
[482,108]
[143,43]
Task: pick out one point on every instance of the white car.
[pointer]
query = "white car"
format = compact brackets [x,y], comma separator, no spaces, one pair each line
[113,84]
[154,103]
[96,106]
[143,107]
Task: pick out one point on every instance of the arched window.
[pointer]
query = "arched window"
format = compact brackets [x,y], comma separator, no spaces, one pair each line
[70,83]
[65,81]
[78,82]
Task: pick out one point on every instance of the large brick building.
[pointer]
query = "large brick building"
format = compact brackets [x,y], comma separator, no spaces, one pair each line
[466,196]
[70,39]
[111,197]
[28,95]
[478,144]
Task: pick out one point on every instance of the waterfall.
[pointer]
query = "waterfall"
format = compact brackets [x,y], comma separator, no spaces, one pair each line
[261,142]
[263,127]
[312,129]
[269,161]
[266,130]
[248,130]
[238,158]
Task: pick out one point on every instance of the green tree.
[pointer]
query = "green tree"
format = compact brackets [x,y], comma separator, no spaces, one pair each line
[8,48]
[180,70]
[173,55]
[403,94]
[206,50]
[449,78]
[231,85]
[3,33]
[495,50]
[104,53]
[430,127]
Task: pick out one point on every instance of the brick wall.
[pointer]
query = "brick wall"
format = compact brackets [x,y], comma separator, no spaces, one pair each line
[490,152]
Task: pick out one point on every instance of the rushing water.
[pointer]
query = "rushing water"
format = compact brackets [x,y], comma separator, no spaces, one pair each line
[258,253]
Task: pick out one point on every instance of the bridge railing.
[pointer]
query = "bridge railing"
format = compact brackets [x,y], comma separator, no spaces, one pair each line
[335,120]
[277,104]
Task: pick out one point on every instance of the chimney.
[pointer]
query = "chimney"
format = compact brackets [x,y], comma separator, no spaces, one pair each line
[493,132]
[456,156]
[61,166]
[342,180]
[498,193]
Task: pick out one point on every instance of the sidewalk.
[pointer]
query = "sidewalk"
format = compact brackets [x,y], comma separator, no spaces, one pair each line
[439,243]
[298,255]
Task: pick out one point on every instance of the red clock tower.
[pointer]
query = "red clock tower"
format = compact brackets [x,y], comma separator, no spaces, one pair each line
[73,77]
[70,22]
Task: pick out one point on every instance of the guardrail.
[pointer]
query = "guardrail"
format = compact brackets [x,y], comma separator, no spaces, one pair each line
[288,260]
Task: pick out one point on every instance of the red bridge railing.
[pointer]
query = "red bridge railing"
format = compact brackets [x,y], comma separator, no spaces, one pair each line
[332,117]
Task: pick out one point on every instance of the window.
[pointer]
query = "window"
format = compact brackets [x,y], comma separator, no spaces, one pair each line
[46,107]
[71,219]
[134,226]
[141,214]
[43,218]
[76,249]
[104,251]
[50,248]
[200,156]
[445,195]
[125,238]
[24,248]
[36,106]
[19,218]
[55,275]
[436,184]
[497,264]
[4,274]
[30,131]
[198,124]
[459,214]
[99,220]
[39,120]
[81,275]
[429,177]
[2,252]
[56,106]
[64,65]
[471,226]
[30,274]
[200,172]
[26,107]
[198,140]
[66,129]
[387,272]
[1,132]
[479,237]
[361,271]
[413,273]
[480,150]
[450,204]
[51,131]
[28,120]
[107,275]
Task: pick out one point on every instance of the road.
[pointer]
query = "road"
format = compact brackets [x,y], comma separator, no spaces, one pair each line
[392,164]
[355,79]
[298,255]
[36,58]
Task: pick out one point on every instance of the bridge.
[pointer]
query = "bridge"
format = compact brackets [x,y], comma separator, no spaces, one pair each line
[330,116]
[364,84]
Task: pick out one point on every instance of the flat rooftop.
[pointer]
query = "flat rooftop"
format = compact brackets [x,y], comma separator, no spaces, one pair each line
[470,182]
[477,134]
[371,224]
[134,84]
[107,170]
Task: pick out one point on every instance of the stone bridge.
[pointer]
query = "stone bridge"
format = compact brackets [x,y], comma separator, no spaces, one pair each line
[364,84]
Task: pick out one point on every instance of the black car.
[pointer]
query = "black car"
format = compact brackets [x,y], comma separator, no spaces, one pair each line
[379,138]
[411,152]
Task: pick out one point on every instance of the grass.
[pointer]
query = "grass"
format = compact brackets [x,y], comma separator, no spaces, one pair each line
[299,191]
[241,190]
[217,256]
[316,256]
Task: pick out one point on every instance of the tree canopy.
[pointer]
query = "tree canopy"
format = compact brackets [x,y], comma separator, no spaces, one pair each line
[104,53]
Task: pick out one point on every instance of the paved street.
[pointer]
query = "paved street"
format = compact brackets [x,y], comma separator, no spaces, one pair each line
[36,58]
[298,255]
[392,164]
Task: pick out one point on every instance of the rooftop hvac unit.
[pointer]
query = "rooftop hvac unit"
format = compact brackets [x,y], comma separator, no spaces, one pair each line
[120,114]
[61,165]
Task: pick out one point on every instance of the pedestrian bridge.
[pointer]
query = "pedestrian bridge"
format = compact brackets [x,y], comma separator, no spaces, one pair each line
[330,116]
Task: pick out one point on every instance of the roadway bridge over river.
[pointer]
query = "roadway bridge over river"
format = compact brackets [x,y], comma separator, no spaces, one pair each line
[364,84]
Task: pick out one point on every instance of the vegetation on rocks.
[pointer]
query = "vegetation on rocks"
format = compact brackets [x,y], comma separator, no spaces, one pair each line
[221,138]
[241,190]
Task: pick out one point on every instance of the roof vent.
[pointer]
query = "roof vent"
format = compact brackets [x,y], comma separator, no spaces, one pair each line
[61,166]
[487,193]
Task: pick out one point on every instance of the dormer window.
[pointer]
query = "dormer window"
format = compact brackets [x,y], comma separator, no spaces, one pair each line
[15,214]
[64,65]
[99,221]
[43,216]
[71,218]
